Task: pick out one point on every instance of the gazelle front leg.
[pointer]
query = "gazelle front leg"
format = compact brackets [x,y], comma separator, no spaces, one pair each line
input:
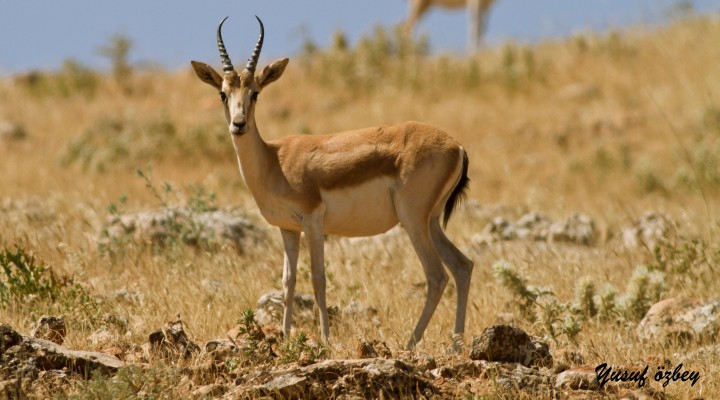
[291,244]
[316,243]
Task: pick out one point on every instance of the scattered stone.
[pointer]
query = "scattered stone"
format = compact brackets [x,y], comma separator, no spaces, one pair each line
[43,355]
[172,339]
[372,349]
[101,338]
[208,391]
[271,307]
[509,344]
[384,378]
[201,229]
[285,387]
[680,319]
[50,327]
[564,359]
[10,131]
[530,380]
[578,228]
[649,230]
[577,379]
[221,349]
[131,296]
[8,338]
[356,309]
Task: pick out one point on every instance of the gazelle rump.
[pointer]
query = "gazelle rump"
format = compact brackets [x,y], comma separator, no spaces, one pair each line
[355,183]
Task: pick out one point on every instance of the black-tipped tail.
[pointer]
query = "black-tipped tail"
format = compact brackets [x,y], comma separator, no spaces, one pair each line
[459,193]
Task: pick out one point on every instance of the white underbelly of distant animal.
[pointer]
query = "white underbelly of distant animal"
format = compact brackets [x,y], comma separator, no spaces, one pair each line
[363,210]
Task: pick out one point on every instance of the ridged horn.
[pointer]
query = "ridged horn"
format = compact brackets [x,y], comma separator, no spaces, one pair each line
[226,63]
[253,60]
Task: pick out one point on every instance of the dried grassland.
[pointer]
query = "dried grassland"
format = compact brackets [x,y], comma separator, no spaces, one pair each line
[610,125]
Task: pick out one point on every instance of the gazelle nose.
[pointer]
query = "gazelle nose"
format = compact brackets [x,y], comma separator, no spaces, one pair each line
[239,125]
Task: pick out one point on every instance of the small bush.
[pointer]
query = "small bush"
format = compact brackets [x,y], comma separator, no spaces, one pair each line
[299,349]
[22,277]
[72,79]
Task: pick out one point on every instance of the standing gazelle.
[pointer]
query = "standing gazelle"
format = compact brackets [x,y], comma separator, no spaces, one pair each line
[478,12]
[356,183]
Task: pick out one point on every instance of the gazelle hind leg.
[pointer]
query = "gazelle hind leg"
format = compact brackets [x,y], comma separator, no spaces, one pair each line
[461,269]
[316,244]
[418,230]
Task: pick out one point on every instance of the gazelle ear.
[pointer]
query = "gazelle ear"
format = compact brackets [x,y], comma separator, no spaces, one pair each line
[272,72]
[207,74]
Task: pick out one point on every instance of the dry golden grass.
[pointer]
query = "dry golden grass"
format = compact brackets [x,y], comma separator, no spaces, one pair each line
[611,126]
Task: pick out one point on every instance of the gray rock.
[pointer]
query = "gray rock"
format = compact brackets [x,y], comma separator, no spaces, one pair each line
[208,391]
[43,354]
[286,387]
[50,327]
[208,229]
[649,230]
[10,131]
[577,379]
[271,307]
[172,339]
[578,228]
[681,319]
[509,344]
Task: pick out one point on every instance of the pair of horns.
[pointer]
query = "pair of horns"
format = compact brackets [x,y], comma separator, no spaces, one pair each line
[252,61]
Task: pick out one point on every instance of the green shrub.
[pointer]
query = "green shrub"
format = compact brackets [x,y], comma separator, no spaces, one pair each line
[22,277]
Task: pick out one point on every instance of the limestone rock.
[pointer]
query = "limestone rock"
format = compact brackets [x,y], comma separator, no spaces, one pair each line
[649,230]
[41,354]
[203,229]
[286,387]
[271,307]
[208,391]
[681,319]
[578,228]
[577,379]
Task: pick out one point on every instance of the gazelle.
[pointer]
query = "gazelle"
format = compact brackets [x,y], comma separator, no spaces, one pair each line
[478,11]
[355,183]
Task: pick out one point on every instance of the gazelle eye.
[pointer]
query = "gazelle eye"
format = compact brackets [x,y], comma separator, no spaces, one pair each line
[254,96]
[223,97]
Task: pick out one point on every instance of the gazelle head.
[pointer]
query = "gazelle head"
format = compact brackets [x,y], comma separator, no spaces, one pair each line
[239,91]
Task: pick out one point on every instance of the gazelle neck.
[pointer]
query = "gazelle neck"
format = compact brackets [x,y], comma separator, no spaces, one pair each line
[254,156]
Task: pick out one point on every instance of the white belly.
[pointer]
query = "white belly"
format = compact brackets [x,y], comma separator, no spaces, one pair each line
[363,210]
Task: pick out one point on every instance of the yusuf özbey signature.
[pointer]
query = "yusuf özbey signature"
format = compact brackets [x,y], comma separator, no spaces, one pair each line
[606,374]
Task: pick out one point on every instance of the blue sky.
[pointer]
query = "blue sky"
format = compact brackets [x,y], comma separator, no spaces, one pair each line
[40,34]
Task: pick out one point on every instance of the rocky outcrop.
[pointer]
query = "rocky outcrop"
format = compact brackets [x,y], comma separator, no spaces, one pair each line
[650,230]
[207,229]
[32,355]
[578,228]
